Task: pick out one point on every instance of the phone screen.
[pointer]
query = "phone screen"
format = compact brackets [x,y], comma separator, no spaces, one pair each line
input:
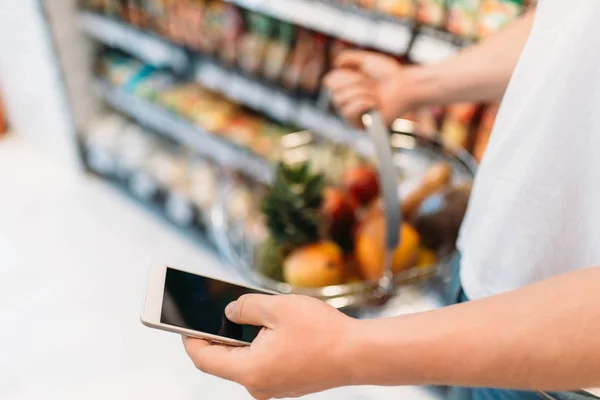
[197,303]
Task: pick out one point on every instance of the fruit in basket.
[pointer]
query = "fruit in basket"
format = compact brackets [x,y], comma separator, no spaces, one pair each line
[435,179]
[370,247]
[361,183]
[426,258]
[293,206]
[315,265]
[439,218]
[292,211]
[340,213]
[337,207]
[269,258]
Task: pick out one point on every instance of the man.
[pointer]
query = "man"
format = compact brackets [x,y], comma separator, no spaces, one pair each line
[529,243]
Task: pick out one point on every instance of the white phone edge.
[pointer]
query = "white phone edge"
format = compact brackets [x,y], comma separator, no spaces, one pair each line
[152,307]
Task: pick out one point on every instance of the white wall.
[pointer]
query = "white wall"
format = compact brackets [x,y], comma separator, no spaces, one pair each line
[32,89]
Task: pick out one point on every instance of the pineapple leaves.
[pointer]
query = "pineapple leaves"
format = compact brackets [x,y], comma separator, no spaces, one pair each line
[292,206]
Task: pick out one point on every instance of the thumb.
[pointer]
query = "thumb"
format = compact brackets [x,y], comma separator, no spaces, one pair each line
[252,309]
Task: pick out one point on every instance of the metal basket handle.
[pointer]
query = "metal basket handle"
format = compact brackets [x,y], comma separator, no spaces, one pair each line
[380,135]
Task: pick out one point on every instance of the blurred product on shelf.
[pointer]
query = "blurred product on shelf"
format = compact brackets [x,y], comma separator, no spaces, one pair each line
[205,109]
[152,169]
[457,130]
[462,17]
[485,130]
[431,12]
[494,15]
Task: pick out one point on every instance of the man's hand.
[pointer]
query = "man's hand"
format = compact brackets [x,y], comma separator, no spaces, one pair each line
[300,350]
[364,80]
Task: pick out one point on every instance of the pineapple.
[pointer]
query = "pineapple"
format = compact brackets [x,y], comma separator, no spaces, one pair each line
[270,258]
[293,213]
[293,206]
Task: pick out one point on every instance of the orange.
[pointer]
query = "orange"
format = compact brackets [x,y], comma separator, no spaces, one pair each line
[370,250]
[316,265]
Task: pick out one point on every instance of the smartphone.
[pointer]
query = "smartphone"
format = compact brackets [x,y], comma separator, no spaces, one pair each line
[193,305]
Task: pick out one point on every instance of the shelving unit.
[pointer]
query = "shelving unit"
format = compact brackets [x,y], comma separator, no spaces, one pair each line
[250,92]
[203,143]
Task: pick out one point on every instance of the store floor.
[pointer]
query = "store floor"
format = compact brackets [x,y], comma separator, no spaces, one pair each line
[73,257]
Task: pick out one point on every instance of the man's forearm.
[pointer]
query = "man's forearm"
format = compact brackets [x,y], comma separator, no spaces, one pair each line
[542,337]
[478,73]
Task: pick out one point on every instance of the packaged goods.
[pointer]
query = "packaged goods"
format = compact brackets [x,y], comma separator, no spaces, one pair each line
[494,15]
[457,127]
[485,130]
[278,51]
[254,43]
[431,12]
[462,17]
[397,8]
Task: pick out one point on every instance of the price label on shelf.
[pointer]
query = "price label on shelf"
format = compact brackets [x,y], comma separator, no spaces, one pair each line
[149,114]
[240,89]
[180,209]
[289,10]
[146,48]
[326,18]
[300,11]
[310,117]
[103,29]
[429,49]
[143,186]
[256,95]
[101,161]
[392,37]
[256,5]
[257,168]
[281,107]
[264,97]
[212,76]
[356,28]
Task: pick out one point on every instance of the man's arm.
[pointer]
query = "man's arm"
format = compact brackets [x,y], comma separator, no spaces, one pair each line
[543,337]
[478,73]
[363,80]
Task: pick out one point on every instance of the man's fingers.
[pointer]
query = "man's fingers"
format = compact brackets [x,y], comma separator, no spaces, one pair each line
[252,309]
[352,59]
[354,110]
[221,361]
[347,95]
[341,78]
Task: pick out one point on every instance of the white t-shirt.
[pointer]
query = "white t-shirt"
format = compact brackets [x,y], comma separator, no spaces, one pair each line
[535,208]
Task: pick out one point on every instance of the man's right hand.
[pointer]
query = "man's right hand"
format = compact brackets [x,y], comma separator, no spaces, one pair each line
[365,80]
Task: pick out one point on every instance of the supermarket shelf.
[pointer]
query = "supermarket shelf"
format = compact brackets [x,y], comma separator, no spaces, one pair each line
[225,154]
[431,46]
[147,47]
[159,207]
[361,28]
[280,105]
[423,45]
